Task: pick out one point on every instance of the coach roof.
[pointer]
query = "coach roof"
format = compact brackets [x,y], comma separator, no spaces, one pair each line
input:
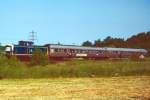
[96,48]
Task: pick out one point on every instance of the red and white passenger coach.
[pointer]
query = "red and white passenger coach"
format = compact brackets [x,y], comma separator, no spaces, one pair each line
[25,49]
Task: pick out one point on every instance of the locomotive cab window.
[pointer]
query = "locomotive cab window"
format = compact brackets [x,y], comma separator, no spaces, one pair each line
[43,50]
[20,50]
[30,50]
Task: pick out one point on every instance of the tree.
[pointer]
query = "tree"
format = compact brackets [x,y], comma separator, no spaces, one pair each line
[114,42]
[87,43]
[98,43]
[139,41]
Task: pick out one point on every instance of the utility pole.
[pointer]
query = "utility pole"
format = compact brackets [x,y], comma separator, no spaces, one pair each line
[33,36]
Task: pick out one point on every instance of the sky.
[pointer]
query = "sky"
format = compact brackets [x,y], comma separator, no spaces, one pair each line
[72,21]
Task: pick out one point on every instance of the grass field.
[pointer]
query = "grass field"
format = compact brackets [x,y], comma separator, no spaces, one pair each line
[112,88]
[11,69]
[75,80]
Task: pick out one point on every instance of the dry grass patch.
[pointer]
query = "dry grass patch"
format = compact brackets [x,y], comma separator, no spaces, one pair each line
[120,88]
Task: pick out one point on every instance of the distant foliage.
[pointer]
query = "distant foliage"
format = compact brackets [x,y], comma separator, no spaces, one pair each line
[2,48]
[141,40]
[87,43]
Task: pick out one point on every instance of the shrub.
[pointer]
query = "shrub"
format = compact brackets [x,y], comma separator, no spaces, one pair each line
[39,58]
[11,68]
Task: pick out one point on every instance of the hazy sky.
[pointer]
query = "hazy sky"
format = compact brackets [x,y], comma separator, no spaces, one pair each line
[72,21]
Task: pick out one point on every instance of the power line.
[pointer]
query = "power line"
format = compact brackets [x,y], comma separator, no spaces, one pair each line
[33,36]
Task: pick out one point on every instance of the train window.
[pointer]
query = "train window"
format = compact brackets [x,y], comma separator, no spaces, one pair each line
[100,51]
[104,51]
[61,50]
[116,52]
[83,51]
[30,50]
[88,51]
[43,50]
[92,51]
[72,51]
[110,51]
[97,51]
[56,50]
[75,50]
[65,50]
[51,50]
[80,51]
[20,50]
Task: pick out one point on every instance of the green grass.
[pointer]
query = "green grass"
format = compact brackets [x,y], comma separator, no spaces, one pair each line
[14,69]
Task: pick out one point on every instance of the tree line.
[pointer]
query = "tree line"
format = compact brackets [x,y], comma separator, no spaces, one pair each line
[141,40]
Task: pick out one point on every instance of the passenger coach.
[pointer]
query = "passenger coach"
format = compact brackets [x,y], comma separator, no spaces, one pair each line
[25,49]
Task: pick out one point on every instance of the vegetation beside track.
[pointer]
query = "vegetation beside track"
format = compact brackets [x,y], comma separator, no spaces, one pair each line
[12,68]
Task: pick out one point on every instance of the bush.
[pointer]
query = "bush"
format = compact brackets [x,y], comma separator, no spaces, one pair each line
[12,68]
[11,61]
[39,58]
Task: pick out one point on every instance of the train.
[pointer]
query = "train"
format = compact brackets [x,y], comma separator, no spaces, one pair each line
[25,49]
